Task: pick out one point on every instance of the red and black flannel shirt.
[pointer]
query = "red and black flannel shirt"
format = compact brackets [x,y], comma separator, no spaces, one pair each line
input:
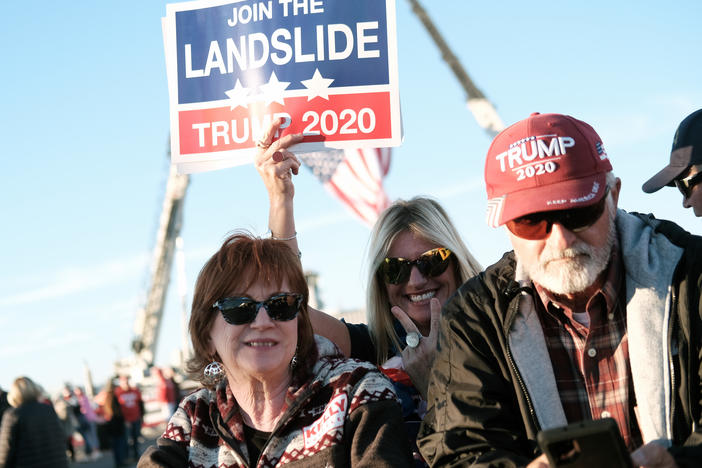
[591,364]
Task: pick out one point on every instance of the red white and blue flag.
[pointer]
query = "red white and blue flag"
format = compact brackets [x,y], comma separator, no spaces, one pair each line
[329,67]
[354,176]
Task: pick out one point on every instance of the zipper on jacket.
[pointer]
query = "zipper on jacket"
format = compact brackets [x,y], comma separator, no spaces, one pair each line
[532,413]
[671,364]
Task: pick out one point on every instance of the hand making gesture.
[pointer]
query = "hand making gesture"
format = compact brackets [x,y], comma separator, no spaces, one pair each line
[418,355]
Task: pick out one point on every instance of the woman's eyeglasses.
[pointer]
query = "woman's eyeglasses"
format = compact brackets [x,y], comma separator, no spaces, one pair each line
[431,263]
[537,226]
[685,185]
[243,310]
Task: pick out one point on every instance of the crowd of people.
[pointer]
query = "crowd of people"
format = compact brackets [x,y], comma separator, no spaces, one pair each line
[37,430]
[594,314]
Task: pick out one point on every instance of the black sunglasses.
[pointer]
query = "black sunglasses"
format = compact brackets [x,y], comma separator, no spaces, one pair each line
[243,310]
[685,185]
[538,225]
[431,263]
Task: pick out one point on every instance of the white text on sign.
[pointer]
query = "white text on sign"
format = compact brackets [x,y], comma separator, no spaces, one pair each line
[264,10]
[254,50]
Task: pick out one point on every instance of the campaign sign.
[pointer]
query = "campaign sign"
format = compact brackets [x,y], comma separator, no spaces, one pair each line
[329,67]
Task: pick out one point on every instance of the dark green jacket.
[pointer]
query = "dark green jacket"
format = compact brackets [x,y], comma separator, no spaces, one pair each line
[492,386]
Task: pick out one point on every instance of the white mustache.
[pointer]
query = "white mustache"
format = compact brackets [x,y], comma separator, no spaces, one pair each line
[569,253]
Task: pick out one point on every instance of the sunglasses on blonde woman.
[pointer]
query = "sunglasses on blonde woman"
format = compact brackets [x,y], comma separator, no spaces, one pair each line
[243,310]
[434,262]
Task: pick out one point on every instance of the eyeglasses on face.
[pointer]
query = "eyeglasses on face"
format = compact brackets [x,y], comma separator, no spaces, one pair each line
[431,263]
[243,310]
[685,185]
[537,226]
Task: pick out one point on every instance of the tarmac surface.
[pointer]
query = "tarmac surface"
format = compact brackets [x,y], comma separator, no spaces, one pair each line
[149,436]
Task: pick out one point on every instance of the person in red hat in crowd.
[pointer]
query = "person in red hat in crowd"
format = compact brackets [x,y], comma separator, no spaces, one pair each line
[595,314]
[132,405]
[684,170]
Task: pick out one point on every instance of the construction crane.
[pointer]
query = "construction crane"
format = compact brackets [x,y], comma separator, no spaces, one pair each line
[482,109]
[148,321]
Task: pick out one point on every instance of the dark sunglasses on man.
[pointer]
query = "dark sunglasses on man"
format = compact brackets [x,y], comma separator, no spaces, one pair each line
[396,270]
[685,185]
[537,226]
[243,310]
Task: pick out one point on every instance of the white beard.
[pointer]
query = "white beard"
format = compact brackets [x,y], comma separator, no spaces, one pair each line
[578,266]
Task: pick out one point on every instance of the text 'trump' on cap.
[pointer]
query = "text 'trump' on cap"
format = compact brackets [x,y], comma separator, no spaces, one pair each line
[686,152]
[545,162]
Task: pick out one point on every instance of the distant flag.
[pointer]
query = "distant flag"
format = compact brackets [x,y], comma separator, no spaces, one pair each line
[354,176]
[89,389]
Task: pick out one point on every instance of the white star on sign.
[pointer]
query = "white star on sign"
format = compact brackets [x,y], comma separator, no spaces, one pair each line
[318,85]
[237,95]
[273,90]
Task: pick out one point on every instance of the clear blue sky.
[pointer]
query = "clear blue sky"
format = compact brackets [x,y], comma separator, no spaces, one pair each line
[85,128]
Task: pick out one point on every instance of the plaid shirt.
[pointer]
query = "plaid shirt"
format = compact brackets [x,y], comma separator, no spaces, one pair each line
[591,363]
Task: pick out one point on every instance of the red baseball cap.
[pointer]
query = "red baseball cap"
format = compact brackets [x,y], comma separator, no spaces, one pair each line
[545,162]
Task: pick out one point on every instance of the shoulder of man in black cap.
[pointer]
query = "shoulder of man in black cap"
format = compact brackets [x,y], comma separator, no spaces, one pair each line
[583,278]
[685,163]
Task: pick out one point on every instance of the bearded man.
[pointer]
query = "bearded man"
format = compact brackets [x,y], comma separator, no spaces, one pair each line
[595,314]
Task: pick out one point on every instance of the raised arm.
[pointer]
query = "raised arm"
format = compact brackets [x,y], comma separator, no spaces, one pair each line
[276,165]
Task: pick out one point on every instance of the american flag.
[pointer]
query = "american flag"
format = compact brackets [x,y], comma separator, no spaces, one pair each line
[355,176]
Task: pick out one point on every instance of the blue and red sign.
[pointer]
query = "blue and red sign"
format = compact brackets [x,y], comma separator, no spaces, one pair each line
[328,66]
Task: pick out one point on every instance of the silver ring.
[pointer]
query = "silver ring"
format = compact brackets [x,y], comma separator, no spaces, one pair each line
[412,339]
[261,144]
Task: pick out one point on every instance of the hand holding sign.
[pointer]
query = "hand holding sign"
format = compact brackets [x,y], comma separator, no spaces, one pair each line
[276,164]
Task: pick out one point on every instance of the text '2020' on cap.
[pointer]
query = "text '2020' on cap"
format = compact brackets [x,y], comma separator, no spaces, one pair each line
[686,152]
[545,162]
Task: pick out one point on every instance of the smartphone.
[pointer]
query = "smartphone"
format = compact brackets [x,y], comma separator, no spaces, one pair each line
[583,444]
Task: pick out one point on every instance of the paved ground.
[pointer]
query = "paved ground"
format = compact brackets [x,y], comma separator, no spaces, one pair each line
[106,461]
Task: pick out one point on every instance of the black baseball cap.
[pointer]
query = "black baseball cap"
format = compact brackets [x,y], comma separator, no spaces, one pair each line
[686,152]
